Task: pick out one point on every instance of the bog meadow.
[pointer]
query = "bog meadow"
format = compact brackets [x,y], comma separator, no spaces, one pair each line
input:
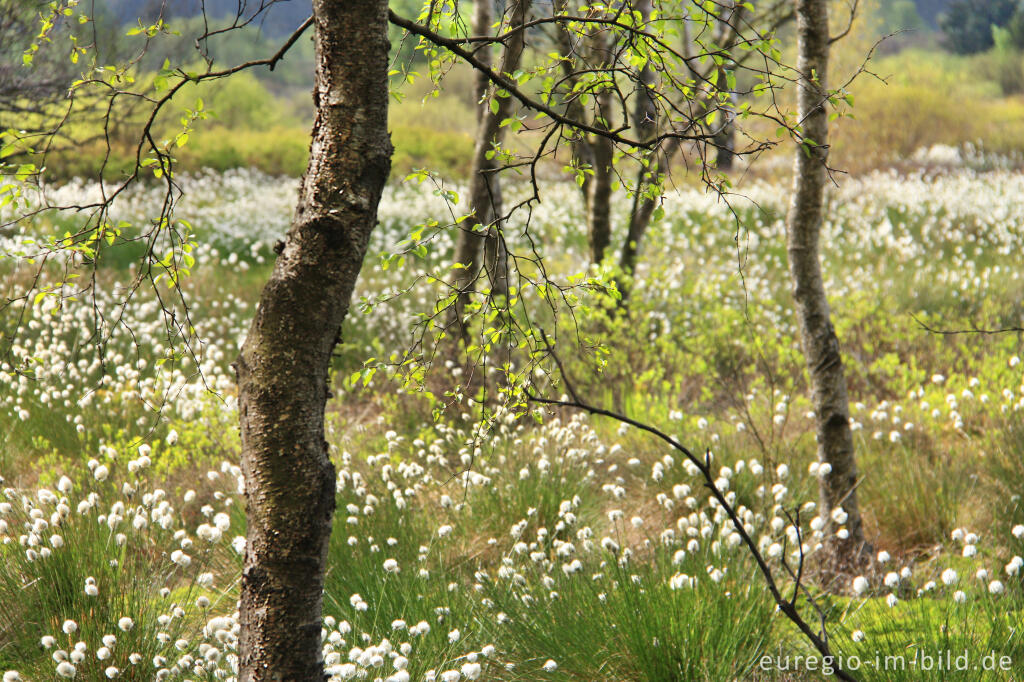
[588,451]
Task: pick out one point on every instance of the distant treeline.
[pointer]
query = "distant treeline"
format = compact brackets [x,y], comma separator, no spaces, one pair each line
[281,17]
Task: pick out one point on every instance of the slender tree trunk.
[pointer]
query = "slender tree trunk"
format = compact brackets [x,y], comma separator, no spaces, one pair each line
[599,204]
[640,216]
[283,366]
[645,121]
[583,155]
[725,139]
[482,20]
[820,344]
[485,191]
[640,220]
[495,253]
[644,206]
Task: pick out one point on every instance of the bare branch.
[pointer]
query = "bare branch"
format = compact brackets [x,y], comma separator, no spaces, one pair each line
[787,607]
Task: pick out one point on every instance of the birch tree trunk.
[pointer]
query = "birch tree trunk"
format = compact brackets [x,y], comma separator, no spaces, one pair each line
[282,369]
[482,20]
[818,337]
[485,190]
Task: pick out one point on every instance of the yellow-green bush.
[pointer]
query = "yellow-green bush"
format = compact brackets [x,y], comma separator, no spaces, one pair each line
[928,98]
[277,151]
[448,153]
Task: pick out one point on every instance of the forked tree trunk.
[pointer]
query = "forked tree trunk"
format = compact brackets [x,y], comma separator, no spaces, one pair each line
[283,366]
[485,190]
[820,344]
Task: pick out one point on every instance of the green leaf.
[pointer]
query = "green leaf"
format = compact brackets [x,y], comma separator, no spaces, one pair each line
[24,171]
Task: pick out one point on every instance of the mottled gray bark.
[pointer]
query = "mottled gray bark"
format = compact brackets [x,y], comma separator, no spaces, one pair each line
[482,20]
[283,366]
[818,337]
[485,189]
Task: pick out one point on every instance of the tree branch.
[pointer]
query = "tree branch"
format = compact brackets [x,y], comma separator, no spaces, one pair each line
[973,330]
[505,83]
[787,607]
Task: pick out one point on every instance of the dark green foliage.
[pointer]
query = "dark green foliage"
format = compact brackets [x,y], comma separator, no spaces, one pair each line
[1015,27]
[967,24]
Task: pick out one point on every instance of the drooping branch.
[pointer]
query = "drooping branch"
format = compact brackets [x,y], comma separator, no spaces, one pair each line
[786,606]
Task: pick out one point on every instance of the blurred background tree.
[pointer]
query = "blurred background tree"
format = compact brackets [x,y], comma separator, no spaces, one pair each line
[967,24]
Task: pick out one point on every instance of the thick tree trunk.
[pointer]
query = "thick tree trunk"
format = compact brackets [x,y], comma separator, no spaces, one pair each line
[820,344]
[283,366]
[485,191]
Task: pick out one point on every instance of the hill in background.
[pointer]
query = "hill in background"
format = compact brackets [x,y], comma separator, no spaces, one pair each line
[279,18]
